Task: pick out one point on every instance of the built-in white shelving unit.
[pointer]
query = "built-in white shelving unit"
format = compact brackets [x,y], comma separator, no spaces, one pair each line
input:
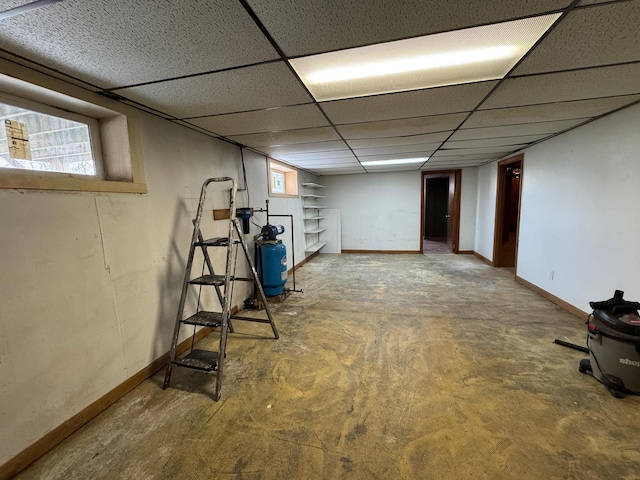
[313,216]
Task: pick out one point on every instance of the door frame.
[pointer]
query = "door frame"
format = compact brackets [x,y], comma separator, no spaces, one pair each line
[497,229]
[456,201]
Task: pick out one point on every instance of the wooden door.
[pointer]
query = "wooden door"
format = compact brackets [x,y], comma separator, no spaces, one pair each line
[505,246]
[451,213]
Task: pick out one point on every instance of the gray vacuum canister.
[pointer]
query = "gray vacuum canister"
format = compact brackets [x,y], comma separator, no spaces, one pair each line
[613,339]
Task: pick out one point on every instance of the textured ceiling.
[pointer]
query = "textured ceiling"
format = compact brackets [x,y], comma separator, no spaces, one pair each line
[222,67]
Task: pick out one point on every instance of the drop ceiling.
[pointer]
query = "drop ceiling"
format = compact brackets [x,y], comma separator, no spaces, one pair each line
[224,68]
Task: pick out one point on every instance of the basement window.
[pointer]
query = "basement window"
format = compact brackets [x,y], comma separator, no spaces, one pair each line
[54,136]
[56,141]
[283,180]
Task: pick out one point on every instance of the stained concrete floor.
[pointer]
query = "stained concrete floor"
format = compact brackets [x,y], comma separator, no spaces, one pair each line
[388,366]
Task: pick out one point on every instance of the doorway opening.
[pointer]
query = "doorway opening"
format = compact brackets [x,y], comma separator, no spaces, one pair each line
[505,242]
[440,211]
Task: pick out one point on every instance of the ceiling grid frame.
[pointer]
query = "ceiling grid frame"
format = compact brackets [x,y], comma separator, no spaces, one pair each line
[497,116]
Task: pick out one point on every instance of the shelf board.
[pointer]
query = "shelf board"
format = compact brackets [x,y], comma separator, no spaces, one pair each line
[315,247]
[312,185]
[313,218]
[314,207]
[315,230]
[312,196]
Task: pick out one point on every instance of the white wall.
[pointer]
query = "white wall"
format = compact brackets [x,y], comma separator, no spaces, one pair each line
[380,211]
[486,209]
[468,207]
[579,217]
[90,283]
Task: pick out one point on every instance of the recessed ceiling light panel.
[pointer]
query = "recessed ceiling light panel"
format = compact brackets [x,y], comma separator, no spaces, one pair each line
[401,161]
[450,58]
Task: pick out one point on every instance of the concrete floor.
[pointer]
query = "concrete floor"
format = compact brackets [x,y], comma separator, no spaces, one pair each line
[388,367]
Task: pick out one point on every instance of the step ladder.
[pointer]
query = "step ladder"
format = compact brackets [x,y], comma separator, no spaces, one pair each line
[205,360]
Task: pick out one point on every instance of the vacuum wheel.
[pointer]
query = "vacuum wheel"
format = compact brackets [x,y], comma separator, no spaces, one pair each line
[616,393]
[617,386]
[585,366]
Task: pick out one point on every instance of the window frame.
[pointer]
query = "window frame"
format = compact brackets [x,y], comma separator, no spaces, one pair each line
[118,134]
[290,175]
[94,136]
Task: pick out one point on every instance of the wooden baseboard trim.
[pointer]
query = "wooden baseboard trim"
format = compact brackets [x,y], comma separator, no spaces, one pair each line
[300,264]
[551,297]
[466,252]
[382,251]
[483,258]
[58,434]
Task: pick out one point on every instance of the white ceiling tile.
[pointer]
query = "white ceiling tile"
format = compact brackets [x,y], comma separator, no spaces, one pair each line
[515,130]
[345,171]
[419,147]
[494,142]
[303,27]
[452,164]
[260,121]
[402,127]
[548,112]
[328,164]
[428,138]
[393,168]
[419,103]
[479,151]
[301,157]
[449,166]
[306,135]
[39,68]
[9,4]
[397,156]
[250,88]
[587,37]
[566,86]
[305,147]
[438,157]
[122,42]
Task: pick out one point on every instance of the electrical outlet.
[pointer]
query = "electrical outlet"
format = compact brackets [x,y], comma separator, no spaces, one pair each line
[551,275]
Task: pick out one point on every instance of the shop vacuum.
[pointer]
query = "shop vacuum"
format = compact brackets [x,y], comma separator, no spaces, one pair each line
[613,344]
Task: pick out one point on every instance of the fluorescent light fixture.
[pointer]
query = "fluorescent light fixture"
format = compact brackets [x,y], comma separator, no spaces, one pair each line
[401,161]
[462,56]
[12,12]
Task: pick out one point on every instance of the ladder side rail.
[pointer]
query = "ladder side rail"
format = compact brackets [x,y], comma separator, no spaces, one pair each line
[256,280]
[176,330]
[227,289]
[185,284]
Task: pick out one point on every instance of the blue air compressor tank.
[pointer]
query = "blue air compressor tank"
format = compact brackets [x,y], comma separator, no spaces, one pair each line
[273,267]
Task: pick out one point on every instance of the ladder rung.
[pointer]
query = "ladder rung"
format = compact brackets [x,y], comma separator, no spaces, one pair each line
[250,319]
[214,242]
[199,360]
[208,280]
[205,319]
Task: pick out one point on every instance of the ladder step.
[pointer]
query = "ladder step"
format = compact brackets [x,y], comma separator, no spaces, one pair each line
[214,242]
[205,319]
[208,280]
[205,360]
